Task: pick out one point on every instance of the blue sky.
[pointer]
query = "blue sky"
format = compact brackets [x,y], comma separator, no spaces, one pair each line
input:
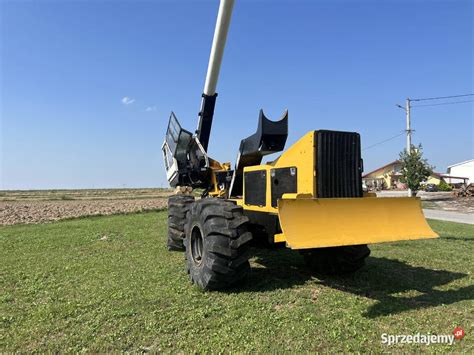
[66,67]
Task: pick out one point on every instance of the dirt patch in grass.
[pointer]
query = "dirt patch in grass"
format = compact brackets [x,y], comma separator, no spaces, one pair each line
[29,212]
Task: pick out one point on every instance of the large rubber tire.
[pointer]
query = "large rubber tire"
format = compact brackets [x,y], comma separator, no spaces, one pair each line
[178,207]
[217,242]
[336,260]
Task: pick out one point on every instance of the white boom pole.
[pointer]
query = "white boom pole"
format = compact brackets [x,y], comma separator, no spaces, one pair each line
[218,45]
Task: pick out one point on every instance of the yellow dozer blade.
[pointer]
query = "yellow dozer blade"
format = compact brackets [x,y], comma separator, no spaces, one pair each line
[315,223]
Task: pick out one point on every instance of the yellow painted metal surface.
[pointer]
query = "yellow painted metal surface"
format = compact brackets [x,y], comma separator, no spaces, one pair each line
[315,223]
[216,190]
[280,237]
[300,155]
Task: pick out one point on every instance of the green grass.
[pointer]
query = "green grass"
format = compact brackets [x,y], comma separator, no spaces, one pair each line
[108,283]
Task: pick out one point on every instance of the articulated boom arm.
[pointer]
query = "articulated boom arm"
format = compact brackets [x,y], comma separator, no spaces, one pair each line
[185,155]
[215,60]
[186,159]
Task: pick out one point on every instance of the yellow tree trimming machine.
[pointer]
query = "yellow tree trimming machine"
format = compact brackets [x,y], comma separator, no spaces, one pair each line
[310,197]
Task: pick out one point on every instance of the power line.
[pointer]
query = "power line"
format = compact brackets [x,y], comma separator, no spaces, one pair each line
[384,141]
[442,97]
[444,103]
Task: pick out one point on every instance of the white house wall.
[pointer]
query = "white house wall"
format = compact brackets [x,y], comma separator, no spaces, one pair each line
[462,170]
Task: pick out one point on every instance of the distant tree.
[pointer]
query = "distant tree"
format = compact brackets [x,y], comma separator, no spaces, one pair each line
[415,169]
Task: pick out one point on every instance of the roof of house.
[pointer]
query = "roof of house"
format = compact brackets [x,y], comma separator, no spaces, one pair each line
[461,163]
[382,167]
[452,177]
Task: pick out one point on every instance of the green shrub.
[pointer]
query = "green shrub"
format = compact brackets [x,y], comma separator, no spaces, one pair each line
[415,169]
[444,186]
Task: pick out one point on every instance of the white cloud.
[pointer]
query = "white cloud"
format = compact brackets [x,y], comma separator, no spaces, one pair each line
[150,108]
[127,100]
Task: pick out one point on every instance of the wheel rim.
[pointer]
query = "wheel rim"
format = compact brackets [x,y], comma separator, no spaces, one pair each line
[196,245]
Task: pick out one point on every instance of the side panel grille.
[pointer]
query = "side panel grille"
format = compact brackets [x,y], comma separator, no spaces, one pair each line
[338,164]
[255,192]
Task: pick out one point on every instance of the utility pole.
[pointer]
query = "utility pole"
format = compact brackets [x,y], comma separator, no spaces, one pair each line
[407,110]
[408,130]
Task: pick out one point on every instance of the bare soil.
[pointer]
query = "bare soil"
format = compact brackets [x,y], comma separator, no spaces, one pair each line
[27,207]
[83,194]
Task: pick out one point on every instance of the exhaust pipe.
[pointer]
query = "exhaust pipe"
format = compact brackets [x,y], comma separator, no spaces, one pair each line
[215,60]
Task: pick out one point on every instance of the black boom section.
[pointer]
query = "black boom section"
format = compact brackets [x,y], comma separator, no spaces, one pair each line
[269,138]
[206,115]
[338,164]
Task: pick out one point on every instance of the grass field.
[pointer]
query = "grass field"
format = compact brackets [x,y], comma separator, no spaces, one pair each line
[108,283]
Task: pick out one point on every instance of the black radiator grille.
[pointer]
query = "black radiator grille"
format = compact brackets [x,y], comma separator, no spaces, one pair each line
[338,164]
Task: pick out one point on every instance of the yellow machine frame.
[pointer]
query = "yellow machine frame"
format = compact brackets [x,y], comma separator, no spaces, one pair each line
[309,222]
[301,156]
